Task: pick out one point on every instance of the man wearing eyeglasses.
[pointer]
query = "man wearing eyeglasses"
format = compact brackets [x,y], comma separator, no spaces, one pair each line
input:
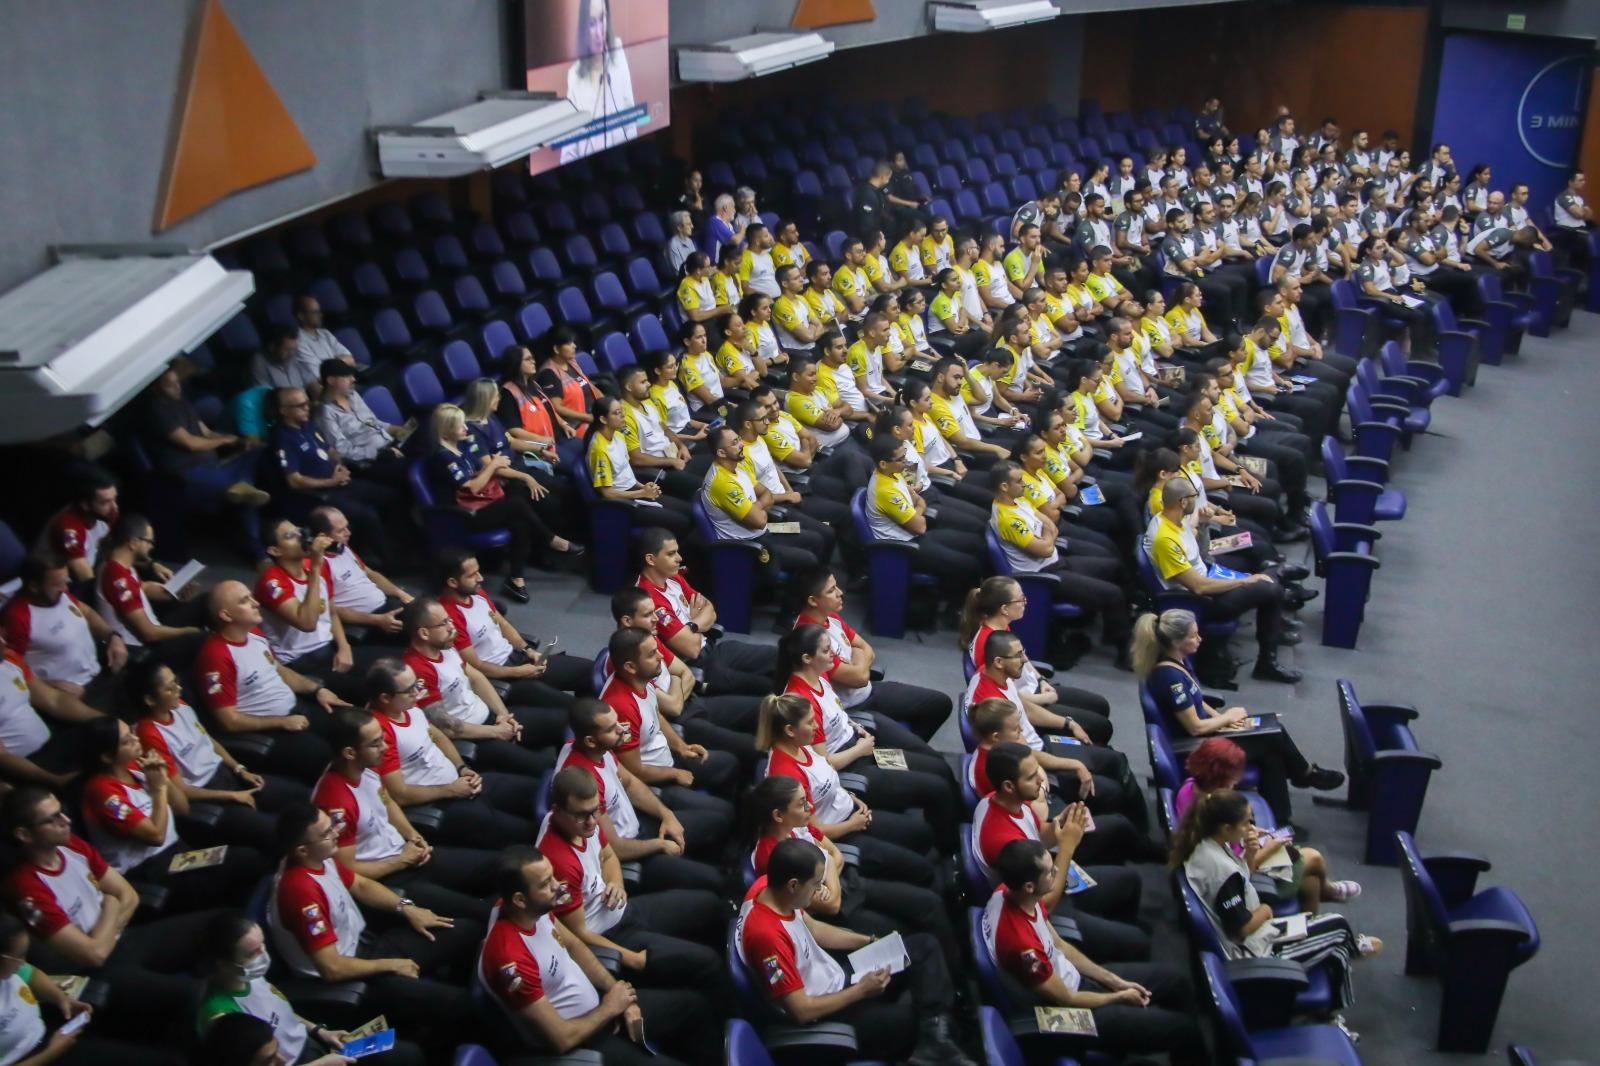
[312,469]
[423,766]
[665,938]
[819,515]
[78,909]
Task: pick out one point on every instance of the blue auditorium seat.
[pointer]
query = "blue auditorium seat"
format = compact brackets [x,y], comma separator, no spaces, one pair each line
[1345,562]
[890,576]
[1326,1045]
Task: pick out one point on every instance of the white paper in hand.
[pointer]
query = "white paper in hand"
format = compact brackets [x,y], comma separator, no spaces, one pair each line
[186,573]
[886,954]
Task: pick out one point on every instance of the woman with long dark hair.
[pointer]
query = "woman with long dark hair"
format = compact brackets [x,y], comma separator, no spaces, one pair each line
[564,381]
[805,659]
[1204,848]
[605,449]
[778,808]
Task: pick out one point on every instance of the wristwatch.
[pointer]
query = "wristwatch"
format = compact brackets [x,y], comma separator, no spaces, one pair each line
[405,901]
[694,627]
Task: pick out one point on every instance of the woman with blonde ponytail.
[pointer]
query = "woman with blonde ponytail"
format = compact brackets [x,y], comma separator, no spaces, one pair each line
[1163,650]
[1214,845]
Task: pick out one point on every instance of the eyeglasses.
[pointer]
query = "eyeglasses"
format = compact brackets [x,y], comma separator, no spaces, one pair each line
[58,818]
[583,816]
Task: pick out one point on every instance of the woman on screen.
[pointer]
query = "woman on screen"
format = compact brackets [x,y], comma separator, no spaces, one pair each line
[599,84]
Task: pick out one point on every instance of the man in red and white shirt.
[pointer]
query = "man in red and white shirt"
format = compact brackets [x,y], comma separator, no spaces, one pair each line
[127,602]
[319,910]
[651,748]
[54,632]
[786,955]
[923,710]
[362,596]
[460,700]
[555,991]
[246,690]
[76,530]
[637,824]
[29,751]
[684,617]
[422,766]
[296,592]
[376,840]
[1014,811]
[488,641]
[1148,1007]
[665,937]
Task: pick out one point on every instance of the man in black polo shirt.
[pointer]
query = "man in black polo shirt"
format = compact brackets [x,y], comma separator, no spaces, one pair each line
[870,205]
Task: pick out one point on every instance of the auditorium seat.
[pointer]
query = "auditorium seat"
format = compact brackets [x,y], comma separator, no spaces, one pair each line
[1356,487]
[1326,1045]
[1387,773]
[1344,559]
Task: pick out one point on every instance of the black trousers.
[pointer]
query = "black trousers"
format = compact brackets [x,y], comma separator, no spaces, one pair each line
[956,510]
[790,552]
[1316,302]
[737,667]
[1278,764]
[497,817]
[234,878]
[350,685]
[957,559]
[1265,598]
[565,678]
[1167,1024]
[1086,581]
[255,827]
[699,724]
[880,907]
[515,515]
[1116,790]
[675,930]
[921,710]
[691,870]
[439,999]
[896,847]
[927,785]
[886,1026]
[1288,453]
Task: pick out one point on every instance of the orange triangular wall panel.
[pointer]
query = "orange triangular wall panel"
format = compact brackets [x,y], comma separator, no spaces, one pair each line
[234,131]
[811,14]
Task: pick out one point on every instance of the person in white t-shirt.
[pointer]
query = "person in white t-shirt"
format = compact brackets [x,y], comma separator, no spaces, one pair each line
[54,632]
[27,746]
[361,595]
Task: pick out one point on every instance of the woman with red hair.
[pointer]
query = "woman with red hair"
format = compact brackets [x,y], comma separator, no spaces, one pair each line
[1216,766]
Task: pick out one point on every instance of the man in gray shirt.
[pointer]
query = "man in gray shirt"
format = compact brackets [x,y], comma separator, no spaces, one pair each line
[317,345]
[278,365]
[360,437]
[1493,242]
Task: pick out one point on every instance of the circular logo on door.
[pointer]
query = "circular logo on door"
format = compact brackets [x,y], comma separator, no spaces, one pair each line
[1549,115]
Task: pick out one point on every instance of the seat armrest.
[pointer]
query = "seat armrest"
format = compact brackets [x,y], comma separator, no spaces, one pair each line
[467,749]
[1377,426]
[203,814]
[1266,989]
[1357,484]
[855,783]
[822,1043]
[501,688]
[1066,928]
[1368,467]
[317,998]
[884,543]
[152,898]
[1401,757]
[609,958]
[850,853]
[1043,669]
[632,873]
[1359,528]
[251,745]
[1053,581]
[1395,712]
[1455,874]
[1364,558]
[580,1057]
[1484,929]
[426,816]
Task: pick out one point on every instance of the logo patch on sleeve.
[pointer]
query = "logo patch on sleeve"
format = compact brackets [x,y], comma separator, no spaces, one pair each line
[773,967]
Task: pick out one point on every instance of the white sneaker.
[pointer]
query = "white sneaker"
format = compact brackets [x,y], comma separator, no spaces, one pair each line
[1368,945]
[1344,891]
[1355,1037]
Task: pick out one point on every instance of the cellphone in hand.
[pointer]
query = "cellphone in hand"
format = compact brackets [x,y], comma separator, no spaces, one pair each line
[75,1023]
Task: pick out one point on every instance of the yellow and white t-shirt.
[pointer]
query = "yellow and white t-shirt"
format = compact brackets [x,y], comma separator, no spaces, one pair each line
[696,372]
[789,312]
[906,262]
[695,294]
[808,407]
[1018,525]
[608,463]
[889,506]
[1173,549]
[937,254]
[867,363]
[757,271]
[728,496]
[782,436]
[787,254]
[945,308]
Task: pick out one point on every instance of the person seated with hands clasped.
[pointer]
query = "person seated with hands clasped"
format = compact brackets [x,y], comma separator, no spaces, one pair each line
[786,954]
[1146,1007]
[552,989]
[1163,648]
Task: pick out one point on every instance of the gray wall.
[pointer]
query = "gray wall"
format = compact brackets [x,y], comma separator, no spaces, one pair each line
[92,90]
[1550,18]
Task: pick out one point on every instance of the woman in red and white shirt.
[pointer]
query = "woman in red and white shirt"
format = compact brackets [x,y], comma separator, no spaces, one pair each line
[892,844]
[998,604]
[806,658]
[778,809]
[130,810]
[198,767]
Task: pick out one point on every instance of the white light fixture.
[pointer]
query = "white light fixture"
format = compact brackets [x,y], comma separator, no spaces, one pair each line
[80,340]
[979,16]
[751,56]
[500,128]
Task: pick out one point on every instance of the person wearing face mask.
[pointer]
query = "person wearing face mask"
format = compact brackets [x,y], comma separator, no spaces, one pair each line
[234,962]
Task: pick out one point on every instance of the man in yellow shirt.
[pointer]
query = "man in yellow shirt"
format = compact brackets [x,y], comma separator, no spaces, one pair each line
[791,313]
[1175,554]
[876,264]
[741,509]
[835,472]
[757,271]
[816,514]
[1032,544]
[1024,264]
[895,512]
[952,417]
[906,257]
[938,248]
[1104,285]
[851,285]
[825,307]
[866,359]
[789,251]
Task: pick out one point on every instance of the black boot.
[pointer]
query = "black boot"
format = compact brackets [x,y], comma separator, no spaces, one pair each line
[1268,668]
[936,1046]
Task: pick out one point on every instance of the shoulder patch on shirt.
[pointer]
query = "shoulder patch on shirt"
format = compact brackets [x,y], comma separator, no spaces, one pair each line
[512,977]
[773,967]
[1033,962]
